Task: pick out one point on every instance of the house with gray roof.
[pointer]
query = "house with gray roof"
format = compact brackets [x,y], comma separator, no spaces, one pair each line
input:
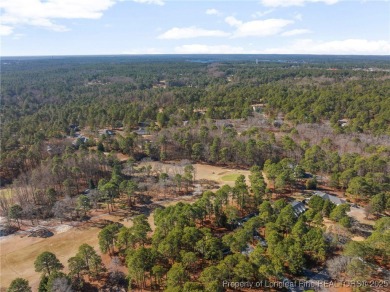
[335,200]
[298,207]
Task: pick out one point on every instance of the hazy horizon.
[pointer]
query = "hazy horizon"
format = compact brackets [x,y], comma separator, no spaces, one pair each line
[116,27]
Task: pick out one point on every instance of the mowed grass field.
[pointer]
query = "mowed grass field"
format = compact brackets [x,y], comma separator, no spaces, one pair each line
[230,177]
[221,175]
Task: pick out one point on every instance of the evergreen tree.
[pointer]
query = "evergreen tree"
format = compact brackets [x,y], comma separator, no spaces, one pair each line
[19,285]
[47,263]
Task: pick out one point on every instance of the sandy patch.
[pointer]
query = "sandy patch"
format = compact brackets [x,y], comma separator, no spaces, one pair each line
[122,157]
[62,228]
[358,238]
[359,215]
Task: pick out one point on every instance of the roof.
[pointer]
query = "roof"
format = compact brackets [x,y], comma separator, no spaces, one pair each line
[80,139]
[248,250]
[278,123]
[333,199]
[106,132]
[142,131]
[109,132]
[298,207]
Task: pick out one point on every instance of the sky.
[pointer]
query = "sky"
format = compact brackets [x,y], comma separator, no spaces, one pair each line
[110,27]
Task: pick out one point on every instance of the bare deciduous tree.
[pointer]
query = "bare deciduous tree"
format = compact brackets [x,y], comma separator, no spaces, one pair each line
[337,266]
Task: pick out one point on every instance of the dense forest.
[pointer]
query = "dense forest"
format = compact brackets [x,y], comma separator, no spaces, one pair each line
[77,134]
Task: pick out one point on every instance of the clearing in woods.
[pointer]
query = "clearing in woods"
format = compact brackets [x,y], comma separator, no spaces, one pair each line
[18,253]
[230,177]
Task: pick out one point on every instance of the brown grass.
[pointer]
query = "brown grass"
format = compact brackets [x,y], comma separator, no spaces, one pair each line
[18,254]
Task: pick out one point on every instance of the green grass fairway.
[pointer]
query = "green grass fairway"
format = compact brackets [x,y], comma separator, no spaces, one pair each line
[230,177]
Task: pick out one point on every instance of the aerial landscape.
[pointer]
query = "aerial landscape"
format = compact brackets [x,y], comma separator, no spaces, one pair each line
[244,160]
